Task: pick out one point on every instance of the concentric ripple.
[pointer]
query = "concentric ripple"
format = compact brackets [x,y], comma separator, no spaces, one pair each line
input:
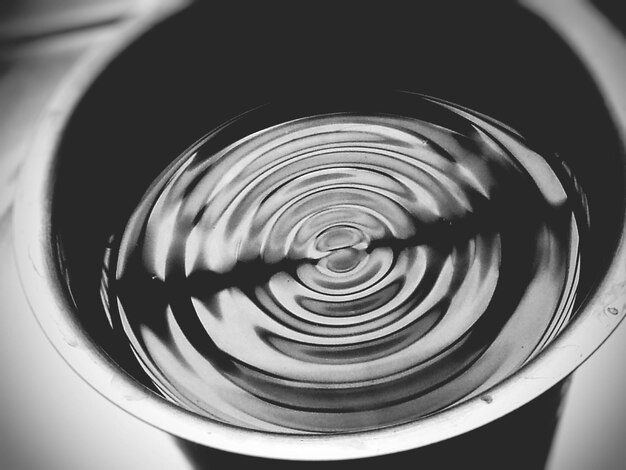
[346,271]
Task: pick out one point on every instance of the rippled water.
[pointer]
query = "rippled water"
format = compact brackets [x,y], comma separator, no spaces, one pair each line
[346,271]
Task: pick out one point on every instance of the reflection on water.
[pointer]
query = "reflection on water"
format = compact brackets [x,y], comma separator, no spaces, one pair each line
[348,270]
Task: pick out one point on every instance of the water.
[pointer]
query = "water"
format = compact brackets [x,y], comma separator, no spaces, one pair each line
[348,270]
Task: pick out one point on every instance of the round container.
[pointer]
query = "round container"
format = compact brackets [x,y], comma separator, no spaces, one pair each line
[126,112]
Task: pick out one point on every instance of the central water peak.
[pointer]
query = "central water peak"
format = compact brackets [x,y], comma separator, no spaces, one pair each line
[343,248]
[344,259]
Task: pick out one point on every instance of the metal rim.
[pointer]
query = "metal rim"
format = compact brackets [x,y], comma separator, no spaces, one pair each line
[38,271]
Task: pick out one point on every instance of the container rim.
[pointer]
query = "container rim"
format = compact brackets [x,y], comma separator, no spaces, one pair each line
[38,268]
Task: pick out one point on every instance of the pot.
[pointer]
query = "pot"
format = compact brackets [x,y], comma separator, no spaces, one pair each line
[126,112]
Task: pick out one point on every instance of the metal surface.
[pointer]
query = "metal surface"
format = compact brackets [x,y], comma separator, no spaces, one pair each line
[49,417]
[38,267]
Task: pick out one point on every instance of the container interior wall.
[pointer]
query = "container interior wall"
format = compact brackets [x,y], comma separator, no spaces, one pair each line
[207,65]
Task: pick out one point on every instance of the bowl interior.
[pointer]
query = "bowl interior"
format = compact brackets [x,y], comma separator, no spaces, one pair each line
[203,67]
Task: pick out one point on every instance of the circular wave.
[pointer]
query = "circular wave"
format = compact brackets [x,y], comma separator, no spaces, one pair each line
[346,271]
